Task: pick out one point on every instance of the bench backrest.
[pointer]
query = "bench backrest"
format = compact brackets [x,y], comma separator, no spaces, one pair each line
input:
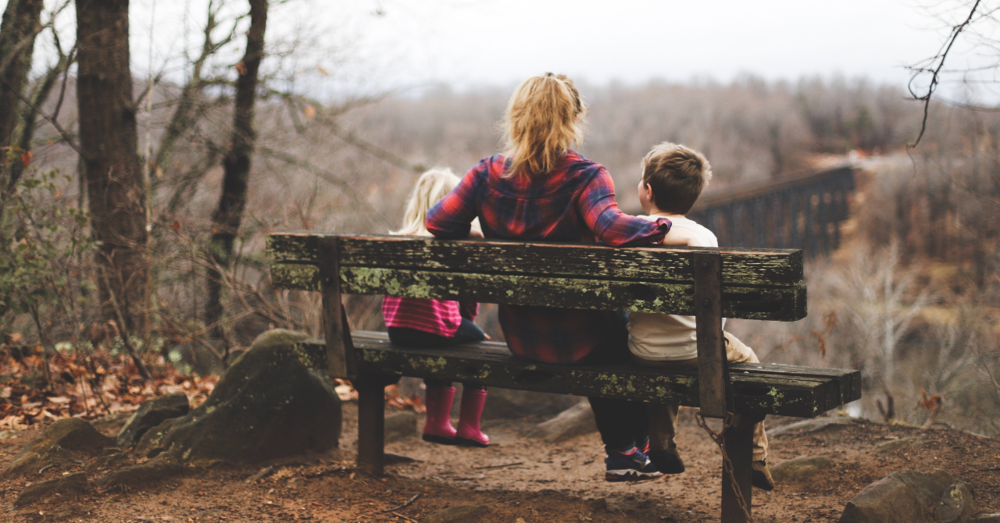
[759,284]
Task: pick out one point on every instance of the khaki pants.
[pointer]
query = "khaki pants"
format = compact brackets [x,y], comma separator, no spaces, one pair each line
[663,417]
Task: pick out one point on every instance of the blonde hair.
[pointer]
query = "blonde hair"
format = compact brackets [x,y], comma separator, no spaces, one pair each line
[677,175]
[431,187]
[544,116]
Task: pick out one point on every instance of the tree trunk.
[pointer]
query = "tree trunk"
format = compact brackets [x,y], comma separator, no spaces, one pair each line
[228,216]
[109,139]
[21,21]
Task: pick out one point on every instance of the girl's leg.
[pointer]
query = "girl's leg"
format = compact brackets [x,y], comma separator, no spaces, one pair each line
[437,400]
[473,401]
[468,332]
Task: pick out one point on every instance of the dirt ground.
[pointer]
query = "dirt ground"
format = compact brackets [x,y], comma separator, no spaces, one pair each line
[520,480]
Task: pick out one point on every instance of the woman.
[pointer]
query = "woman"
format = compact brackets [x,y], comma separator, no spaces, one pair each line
[540,189]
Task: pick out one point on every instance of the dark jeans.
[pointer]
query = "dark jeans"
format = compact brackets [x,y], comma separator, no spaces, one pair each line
[467,332]
[623,424]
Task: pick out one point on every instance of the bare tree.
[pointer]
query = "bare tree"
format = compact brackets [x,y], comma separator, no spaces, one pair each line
[109,145]
[229,214]
[879,305]
[21,23]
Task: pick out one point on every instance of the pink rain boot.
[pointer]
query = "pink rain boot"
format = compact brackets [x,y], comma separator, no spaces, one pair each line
[437,427]
[468,421]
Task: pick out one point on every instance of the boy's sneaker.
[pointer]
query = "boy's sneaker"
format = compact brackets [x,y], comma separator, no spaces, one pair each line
[760,476]
[643,446]
[629,466]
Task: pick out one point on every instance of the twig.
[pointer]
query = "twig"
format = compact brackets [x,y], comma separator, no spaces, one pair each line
[124,334]
[955,31]
[263,472]
[398,515]
[499,466]
[65,135]
[404,505]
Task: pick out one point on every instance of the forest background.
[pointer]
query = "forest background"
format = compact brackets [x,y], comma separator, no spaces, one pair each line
[131,248]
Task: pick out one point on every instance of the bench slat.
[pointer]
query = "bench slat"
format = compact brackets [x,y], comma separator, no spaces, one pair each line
[848,384]
[756,390]
[739,266]
[755,303]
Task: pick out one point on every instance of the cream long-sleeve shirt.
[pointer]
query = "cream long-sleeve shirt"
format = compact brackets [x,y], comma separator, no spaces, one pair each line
[669,337]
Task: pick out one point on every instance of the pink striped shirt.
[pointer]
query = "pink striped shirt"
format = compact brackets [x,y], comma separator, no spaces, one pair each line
[438,317]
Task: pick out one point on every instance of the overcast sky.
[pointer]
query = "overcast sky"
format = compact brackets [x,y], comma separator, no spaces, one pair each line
[636,40]
[467,43]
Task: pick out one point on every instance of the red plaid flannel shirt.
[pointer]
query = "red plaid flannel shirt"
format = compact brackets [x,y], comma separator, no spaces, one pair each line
[575,202]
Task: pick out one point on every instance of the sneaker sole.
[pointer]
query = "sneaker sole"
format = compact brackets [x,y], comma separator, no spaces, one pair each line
[630,476]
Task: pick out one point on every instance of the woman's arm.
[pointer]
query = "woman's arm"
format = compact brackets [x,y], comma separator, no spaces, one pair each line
[613,227]
[451,218]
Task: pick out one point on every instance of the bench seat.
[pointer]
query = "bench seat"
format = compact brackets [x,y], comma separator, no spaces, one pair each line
[758,388]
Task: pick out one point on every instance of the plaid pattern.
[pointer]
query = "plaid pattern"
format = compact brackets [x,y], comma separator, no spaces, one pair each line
[575,202]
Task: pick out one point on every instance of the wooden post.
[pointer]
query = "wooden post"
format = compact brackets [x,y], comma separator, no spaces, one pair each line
[371,422]
[739,449]
[712,368]
[340,356]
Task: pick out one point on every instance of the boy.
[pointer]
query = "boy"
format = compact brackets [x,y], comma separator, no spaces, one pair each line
[673,177]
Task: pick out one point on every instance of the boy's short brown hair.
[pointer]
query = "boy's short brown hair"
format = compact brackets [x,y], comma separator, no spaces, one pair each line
[677,175]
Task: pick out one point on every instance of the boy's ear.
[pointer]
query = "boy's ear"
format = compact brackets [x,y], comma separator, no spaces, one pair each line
[649,188]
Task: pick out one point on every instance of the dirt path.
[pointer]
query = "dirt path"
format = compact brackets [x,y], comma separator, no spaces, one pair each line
[521,479]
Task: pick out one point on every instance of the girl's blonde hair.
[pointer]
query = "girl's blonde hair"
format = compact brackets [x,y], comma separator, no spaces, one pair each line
[544,116]
[431,187]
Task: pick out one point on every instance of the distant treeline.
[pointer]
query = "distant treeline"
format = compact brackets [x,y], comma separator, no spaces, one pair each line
[750,129]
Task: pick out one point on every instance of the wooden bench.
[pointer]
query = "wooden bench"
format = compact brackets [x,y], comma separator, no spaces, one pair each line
[710,284]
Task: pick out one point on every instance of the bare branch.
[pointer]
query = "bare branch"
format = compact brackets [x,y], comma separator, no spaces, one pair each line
[67,137]
[935,78]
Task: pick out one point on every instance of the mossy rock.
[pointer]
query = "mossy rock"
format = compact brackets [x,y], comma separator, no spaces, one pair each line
[151,414]
[161,467]
[276,400]
[62,442]
[64,486]
[908,496]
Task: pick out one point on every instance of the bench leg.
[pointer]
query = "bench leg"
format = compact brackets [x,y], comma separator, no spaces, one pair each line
[739,448]
[371,422]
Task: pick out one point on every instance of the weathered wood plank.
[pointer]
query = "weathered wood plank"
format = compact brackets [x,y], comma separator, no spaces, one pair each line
[339,355]
[739,266]
[842,386]
[712,365]
[784,395]
[756,303]
[848,384]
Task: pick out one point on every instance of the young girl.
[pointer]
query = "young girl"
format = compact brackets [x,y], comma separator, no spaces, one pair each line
[438,323]
[540,189]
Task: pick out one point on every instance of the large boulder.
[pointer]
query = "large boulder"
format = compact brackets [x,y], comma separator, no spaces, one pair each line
[276,400]
[400,426]
[570,423]
[912,497]
[511,404]
[151,414]
[800,468]
[61,443]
